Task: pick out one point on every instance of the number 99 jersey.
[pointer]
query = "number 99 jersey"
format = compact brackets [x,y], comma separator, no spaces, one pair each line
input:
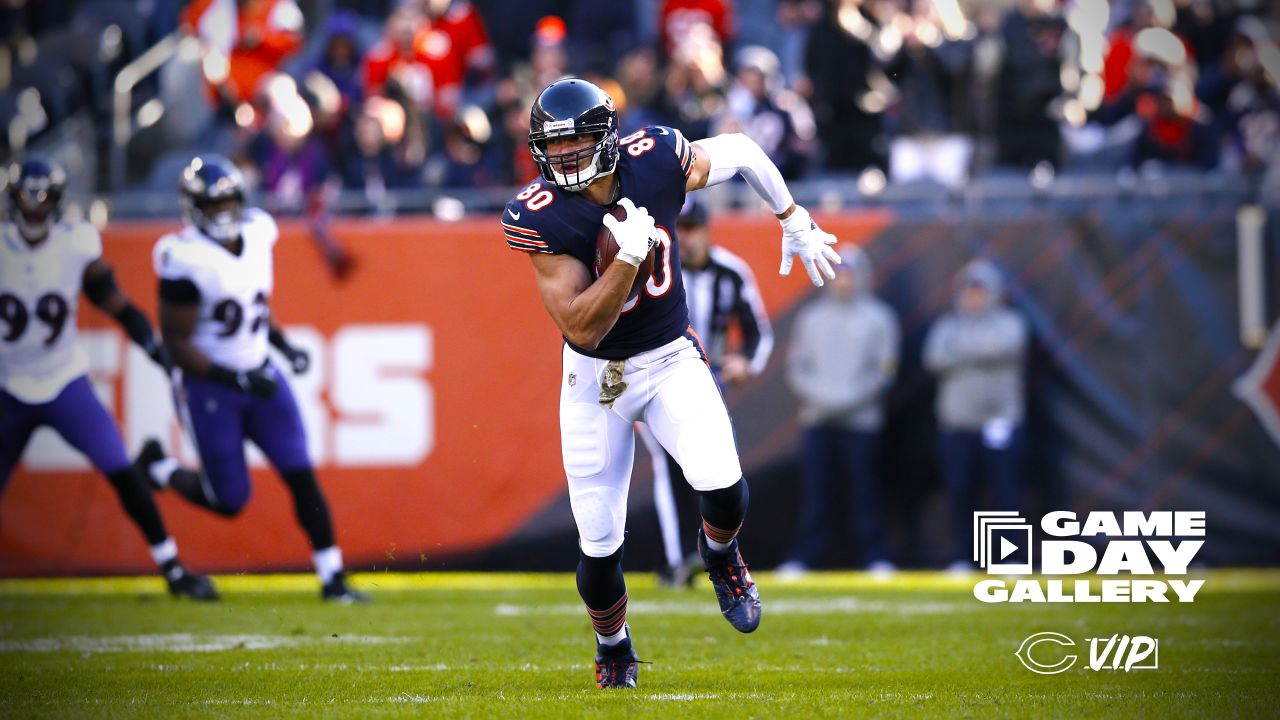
[233,290]
[39,294]
[653,167]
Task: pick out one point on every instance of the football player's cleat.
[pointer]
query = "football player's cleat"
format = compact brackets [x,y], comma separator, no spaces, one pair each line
[617,665]
[184,583]
[152,451]
[338,591]
[736,591]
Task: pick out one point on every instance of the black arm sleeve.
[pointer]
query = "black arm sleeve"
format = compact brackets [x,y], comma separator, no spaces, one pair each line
[179,292]
[278,341]
[99,287]
[136,326]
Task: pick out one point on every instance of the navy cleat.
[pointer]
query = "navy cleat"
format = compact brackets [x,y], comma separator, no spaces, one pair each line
[152,451]
[338,591]
[736,591]
[617,665]
[184,583]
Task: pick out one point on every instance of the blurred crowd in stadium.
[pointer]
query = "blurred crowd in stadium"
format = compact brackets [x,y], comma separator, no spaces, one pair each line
[312,96]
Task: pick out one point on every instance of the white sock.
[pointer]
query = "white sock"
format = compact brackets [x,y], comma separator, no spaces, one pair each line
[613,639]
[162,470]
[328,563]
[163,552]
[718,546]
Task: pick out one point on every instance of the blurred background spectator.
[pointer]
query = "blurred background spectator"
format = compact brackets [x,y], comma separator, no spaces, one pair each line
[759,106]
[842,358]
[977,351]
[1029,85]
[937,90]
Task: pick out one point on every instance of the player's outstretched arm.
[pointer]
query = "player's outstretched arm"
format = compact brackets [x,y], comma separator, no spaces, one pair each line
[717,159]
[99,285]
[298,358]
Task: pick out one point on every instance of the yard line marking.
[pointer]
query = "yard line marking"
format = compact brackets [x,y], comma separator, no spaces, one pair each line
[180,642]
[775,607]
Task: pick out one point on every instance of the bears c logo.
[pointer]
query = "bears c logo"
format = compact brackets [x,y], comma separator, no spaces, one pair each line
[608,103]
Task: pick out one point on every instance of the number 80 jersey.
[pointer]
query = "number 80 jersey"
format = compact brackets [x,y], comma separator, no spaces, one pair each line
[234,289]
[39,293]
[654,164]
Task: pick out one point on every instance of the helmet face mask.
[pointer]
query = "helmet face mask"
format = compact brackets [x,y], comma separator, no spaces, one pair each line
[573,108]
[213,197]
[35,197]
[576,169]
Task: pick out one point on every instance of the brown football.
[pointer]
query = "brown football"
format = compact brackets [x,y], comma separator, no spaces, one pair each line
[607,250]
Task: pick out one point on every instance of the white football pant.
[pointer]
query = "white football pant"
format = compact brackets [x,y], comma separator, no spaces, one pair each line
[671,390]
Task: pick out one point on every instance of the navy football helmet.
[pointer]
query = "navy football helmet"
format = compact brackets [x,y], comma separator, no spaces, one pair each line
[568,108]
[213,195]
[35,189]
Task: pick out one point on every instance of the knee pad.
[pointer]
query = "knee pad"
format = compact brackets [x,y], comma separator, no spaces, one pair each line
[601,515]
[583,439]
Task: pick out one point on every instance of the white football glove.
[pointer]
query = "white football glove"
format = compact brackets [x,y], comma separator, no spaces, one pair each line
[801,236]
[636,235]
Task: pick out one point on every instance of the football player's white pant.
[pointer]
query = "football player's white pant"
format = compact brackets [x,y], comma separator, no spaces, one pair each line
[671,389]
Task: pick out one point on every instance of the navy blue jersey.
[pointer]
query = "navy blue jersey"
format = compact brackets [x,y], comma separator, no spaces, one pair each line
[654,165]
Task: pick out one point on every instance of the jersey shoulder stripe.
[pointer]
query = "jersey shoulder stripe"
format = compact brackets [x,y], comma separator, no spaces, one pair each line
[684,151]
[516,230]
[675,142]
[526,219]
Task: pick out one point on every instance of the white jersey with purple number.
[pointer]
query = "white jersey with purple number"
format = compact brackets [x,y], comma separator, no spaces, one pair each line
[39,294]
[234,289]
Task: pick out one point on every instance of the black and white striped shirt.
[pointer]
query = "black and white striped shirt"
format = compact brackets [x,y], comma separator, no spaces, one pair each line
[720,294]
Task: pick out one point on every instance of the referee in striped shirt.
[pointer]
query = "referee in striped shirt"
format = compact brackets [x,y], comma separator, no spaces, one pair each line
[722,293]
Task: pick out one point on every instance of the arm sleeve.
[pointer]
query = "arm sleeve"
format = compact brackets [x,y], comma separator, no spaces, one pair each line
[757,332]
[736,154]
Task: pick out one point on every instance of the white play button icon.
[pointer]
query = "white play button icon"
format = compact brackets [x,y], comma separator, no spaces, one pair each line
[1006,548]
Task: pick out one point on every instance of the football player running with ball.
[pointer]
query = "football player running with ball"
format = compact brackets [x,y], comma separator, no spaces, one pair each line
[216,279]
[631,357]
[45,263]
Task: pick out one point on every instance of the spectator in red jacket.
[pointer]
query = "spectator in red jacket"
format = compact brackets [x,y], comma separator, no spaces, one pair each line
[244,41]
[679,17]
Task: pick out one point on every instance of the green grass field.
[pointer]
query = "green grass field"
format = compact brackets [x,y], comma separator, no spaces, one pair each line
[465,645]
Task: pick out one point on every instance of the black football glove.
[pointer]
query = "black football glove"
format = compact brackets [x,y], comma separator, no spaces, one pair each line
[299,360]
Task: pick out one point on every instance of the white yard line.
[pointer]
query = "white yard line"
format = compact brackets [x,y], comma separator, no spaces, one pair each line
[180,642]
